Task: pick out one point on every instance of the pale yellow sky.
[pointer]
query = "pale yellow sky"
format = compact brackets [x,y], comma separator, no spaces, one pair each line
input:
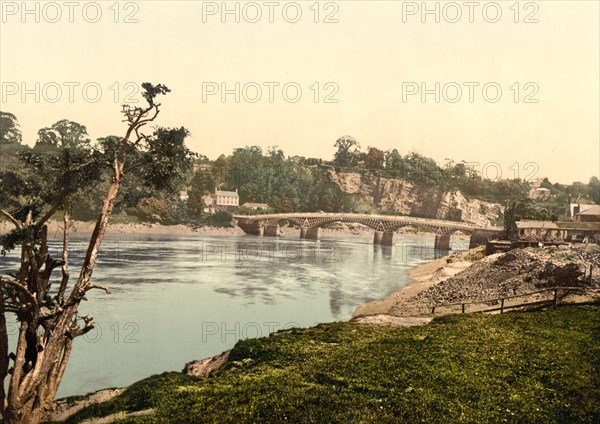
[376,53]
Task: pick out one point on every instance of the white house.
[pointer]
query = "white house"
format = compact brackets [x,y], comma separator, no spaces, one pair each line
[226,199]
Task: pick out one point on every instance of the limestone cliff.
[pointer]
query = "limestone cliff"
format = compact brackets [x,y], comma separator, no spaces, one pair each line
[403,197]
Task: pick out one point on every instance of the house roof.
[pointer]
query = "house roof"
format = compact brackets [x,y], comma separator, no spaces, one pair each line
[594,210]
[226,193]
[547,225]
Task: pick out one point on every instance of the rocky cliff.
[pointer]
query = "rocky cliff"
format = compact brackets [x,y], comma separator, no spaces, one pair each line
[403,197]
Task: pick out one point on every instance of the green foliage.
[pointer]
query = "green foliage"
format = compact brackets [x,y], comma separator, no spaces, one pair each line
[375,158]
[63,134]
[54,177]
[517,367]
[203,182]
[166,160]
[525,210]
[561,194]
[195,203]
[9,129]
[159,167]
[348,152]
[151,91]
[66,172]
[220,219]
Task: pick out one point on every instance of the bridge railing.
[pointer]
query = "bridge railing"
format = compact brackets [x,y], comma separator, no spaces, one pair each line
[393,218]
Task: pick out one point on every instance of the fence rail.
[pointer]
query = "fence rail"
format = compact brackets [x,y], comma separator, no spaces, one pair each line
[504,307]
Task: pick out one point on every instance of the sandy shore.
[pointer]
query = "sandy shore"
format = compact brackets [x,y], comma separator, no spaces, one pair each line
[425,276]
[86,228]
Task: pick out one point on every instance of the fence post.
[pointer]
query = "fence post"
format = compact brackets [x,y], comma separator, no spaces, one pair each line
[502,306]
[463,308]
[555,297]
[433,310]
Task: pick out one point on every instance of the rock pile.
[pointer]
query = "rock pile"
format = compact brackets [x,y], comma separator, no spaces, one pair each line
[518,271]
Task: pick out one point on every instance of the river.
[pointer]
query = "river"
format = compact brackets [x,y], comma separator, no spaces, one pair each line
[175,299]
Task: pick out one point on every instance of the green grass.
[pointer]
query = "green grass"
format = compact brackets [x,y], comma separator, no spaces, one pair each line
[533,367]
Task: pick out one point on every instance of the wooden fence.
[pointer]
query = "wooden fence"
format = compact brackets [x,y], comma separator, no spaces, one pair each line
[503,307]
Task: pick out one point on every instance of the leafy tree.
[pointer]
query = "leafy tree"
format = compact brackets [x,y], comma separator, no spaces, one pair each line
[524,210]
[9,129]
[393,163]
[221,219]
[594,189]
[219,170]
[195,204]
[348,152]
[375,159]
[64,133]
[283,204]
[49,324]
[203,182]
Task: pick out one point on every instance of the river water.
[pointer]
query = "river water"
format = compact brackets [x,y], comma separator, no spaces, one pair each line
[175,299]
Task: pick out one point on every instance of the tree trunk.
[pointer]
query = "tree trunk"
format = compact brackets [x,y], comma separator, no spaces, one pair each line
[3,353]
[40,357]
[41,360]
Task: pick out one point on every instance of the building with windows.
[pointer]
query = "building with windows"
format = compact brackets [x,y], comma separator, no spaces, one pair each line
[223,200]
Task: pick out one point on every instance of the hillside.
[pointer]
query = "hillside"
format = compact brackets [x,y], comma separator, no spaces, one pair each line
[402,197]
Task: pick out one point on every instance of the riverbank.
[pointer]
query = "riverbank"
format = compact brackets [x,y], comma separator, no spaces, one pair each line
[425,276]
[341,230]
[468,276]
[459,368]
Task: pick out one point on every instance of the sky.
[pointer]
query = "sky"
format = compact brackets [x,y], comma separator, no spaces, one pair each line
[510,87]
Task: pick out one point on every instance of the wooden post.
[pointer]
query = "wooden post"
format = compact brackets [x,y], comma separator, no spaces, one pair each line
[502,306]
[463,308]
[555,298]
[433,310]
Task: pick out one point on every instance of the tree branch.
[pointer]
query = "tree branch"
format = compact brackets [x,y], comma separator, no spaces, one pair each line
[11,218]
[47,216]
[65,259]
[22,289]
[96,286]
[88,326]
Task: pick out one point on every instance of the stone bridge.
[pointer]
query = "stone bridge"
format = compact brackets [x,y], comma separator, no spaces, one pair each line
[383,225]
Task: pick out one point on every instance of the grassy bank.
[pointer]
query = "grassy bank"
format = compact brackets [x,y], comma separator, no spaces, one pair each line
[521,367]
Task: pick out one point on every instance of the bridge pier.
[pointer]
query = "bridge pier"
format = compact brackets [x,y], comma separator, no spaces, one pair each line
[303,231]
[387,239]
[313,233]
[271,230]
[442,242]
[377,237]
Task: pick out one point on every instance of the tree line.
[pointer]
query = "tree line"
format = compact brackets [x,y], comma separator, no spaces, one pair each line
[284,183]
